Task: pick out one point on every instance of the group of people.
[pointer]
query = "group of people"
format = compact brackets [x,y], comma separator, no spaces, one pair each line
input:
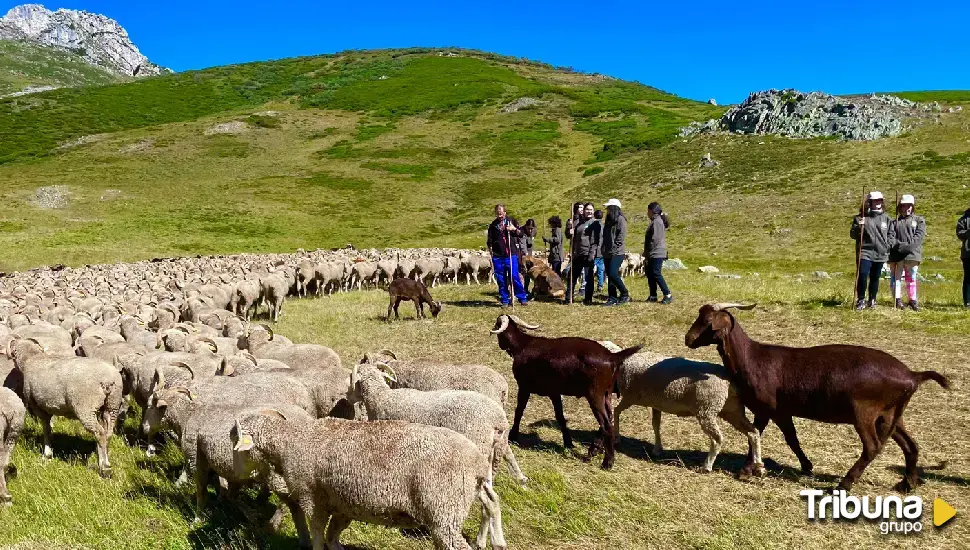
[597,250]
[881,239]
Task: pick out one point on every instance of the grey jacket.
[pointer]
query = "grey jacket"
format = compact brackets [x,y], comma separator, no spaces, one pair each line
[587,239]
[614,238]
[963,233]
[555,245]
[655,241]
[879,236]
[910,234]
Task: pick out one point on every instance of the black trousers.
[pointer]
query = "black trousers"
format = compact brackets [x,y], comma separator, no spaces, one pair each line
[585,267]
[655,277]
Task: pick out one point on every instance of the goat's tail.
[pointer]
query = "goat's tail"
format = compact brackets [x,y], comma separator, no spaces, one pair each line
[925,375]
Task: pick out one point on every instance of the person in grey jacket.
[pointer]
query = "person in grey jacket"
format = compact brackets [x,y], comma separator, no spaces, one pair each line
[554,241]
[586,241]
[655,252]
[614,252]
[878,234]
[905,257]
[963,233]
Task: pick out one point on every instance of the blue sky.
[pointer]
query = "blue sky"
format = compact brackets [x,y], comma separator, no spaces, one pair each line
[697,49]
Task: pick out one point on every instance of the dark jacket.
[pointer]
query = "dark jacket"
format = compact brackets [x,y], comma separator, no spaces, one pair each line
[587,239]
[655,241]
[963,233]
[879,238]
[497,241]
[555,245]
[910,234]
[614,237]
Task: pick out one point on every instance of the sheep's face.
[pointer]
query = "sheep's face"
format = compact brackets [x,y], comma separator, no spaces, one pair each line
[710,328]
[154,415]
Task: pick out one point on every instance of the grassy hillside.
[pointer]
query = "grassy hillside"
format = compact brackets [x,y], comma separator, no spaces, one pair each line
[25,64]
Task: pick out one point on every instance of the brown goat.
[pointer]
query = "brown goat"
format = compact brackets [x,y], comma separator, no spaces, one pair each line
[836,384]
[414,291]
[554,367]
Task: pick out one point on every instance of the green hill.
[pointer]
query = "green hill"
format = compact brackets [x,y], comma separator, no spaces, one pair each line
[25,64]
[412,147]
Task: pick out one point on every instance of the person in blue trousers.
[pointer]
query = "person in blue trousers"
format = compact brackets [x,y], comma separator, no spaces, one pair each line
[506,266]
[598,264]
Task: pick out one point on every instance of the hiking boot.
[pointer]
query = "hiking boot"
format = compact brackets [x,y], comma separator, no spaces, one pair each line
[914,305]
[899,303]
[871,304]
[587,302]
[860,305]
[611,301]
[623,300]
[651,299]
[667,299]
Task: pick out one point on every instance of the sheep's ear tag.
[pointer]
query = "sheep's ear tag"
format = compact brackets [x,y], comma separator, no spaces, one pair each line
[245,442]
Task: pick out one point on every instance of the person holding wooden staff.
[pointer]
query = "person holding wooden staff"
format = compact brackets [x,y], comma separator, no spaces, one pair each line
[877,233]
[504,257]
[905,257]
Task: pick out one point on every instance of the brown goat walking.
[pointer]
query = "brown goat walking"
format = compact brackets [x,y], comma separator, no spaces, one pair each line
[836,384]
[554,367]
[414,291]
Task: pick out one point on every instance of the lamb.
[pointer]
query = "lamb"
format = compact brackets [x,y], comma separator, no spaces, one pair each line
[685,388]
[563,366]
[471,414]
[411,291]
[87,390]
[429,476]
[12,413]
[836,384]
[273,290]
[430,376]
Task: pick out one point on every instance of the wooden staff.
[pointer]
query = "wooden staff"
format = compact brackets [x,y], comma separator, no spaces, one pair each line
[572,267]
[858,255]
[892,274]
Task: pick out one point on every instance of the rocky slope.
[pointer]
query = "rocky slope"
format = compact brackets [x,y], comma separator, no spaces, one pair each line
[100,40]
[808,115]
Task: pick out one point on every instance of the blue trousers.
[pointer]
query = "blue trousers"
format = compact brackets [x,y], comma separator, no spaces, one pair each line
[600,271]
[502,268]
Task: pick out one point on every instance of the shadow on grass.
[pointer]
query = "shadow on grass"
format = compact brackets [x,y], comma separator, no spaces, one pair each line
[929,473]
[473,303]
[66,446]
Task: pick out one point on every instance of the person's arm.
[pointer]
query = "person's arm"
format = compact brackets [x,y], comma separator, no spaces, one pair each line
[856,231]
[647,240]
[620,238]
[891,234]
[963,228]
[920,235]
[488,239]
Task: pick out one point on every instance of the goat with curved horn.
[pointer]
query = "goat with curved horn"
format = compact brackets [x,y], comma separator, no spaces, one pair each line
[733,305]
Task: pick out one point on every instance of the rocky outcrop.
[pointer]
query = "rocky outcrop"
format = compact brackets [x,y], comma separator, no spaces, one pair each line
[809,115]
[98,39]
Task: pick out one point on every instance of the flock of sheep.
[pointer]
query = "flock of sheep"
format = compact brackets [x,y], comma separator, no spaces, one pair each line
[395,442]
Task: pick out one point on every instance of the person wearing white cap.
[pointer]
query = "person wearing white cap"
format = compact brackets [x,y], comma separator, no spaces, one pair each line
[614,252]
[878,234]
[905,257]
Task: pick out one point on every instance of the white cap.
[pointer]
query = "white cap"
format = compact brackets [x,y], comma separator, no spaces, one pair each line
[907,199]
[613,202]
[874,196]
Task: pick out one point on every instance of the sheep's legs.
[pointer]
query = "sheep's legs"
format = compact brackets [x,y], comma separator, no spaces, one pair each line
[754,464]
[567,440]
[911,452]
[620,407]
[523,400]
[868,432]
[299,520]
[658,446]
[318,524]
[709,426]
[491,519]
[513,465]
[337,525]
[5,498]
[788,428]
[45,421]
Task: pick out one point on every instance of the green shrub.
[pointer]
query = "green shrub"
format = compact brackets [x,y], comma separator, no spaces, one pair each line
[263,121]
[593,171]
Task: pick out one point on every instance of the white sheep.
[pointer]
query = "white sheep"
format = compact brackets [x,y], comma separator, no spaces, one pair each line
[11,423]
[685,388]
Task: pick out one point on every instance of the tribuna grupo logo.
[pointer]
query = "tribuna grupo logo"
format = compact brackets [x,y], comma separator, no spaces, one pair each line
[894,514]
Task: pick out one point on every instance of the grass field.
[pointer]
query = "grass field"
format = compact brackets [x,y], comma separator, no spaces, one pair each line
[570,504]
[25,64]
[328,151]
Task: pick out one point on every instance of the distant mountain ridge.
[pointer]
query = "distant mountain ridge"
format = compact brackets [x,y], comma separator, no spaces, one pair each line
[99,40]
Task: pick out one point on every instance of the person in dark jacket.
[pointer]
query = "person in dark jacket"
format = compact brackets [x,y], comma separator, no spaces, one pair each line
[878,234]
[525,244]
[555,241]
[587,241]
[598,265]
[906,255]
[614,252]
[506,270]
[571,224]
[963,233]
[655,252]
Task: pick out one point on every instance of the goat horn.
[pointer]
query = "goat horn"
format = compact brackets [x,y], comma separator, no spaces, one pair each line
[386,368]
[522,323]
[184,365]
[249,356]
[504,319]
[272,412]
[729,305]
[389,353]
[211,342]
[269,330]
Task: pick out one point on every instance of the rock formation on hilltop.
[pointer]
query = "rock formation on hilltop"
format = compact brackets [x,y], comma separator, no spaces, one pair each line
[98,39]
[808,115]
